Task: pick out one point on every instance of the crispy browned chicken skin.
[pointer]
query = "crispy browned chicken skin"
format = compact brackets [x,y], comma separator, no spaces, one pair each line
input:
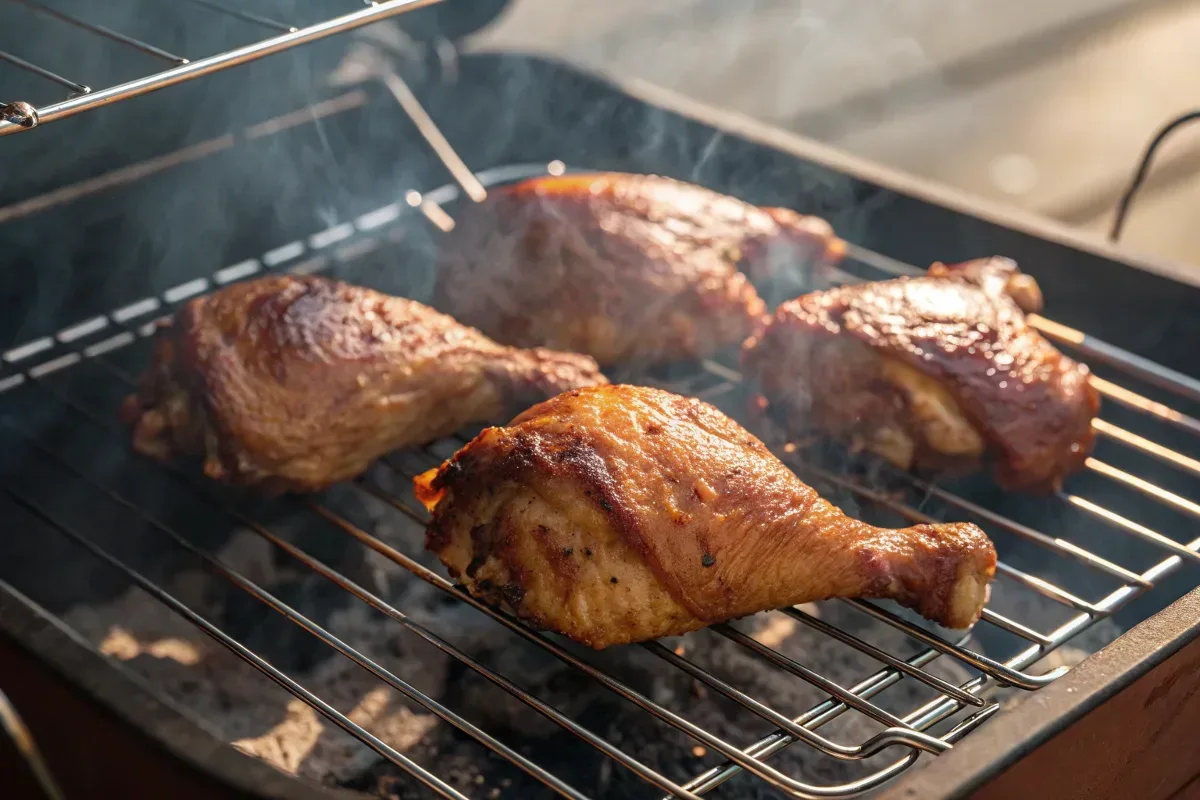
[616,514]
[935,372]
[296,383]
[621,267]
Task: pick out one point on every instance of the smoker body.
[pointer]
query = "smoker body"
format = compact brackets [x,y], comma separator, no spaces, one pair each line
[536,111]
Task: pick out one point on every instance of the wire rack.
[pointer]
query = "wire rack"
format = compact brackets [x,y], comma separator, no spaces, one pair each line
[18,115]
[90,344]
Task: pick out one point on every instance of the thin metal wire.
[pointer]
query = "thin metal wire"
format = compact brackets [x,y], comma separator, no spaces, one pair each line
[1037,584]
[248,16]
[980,662]
[913,738]
[22,739]
[402,761]
[648,774]
[764,771]
[211,64]
[799,670]
[1012,626]
[268,599]
[1129,526]
[1137,402]
[874,745]
[101,30]
[1096,350]
[433,136]
[932,712]
[946,688]
[1141,443]
[1144,486]
[1058,545]
[42,72]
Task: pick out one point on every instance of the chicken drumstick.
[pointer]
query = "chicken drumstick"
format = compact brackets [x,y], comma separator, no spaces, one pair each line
[296,383]
[616,514]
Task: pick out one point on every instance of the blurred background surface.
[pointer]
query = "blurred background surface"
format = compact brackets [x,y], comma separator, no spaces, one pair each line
[1041,104]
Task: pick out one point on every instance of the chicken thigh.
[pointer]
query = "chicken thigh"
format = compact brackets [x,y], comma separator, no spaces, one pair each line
[625,268]
[937,372]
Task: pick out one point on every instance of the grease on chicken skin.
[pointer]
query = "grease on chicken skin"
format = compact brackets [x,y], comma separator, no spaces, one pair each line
[622,267]
[617,514]
[940,372]
[296,383]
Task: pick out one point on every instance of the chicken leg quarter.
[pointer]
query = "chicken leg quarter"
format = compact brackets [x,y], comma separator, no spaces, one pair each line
[616,514]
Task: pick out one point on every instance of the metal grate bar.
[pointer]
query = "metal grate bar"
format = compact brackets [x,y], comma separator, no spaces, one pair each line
[268,599]
[645,772]
[1059,545]
[329,712]
[1047,589]
[435,139]
[874,745]
[1138,402]
[924,677]
[801,671]
[766,772]
[913,738]
[1164,454]
[919,720]
[1005,673]
[1145,487]
[879,498]
[714,777]
[100,30]
[1129,526]
[980,662]
[18,732]
[203,66]
[247,16]
[1133,364]
[42,72]
[1012,626]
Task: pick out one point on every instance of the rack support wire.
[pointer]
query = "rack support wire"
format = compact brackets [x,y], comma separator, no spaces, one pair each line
[17,116]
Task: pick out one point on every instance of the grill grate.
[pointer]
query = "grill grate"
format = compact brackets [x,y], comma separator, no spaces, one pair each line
[34,367]
[18,115]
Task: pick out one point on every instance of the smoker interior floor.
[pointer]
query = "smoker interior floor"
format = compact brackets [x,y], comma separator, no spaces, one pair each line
[66,455]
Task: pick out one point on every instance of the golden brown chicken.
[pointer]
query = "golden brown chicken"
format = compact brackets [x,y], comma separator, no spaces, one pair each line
[621,267]
[936,372]
[616,514]
[296,383]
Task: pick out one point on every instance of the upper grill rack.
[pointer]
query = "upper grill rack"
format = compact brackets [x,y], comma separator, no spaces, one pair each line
[17,115]
[91,343]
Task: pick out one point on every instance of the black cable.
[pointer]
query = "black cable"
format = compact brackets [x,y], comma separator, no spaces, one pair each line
[1143,170]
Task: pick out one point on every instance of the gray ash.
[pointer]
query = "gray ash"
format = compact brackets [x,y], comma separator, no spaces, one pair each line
[242,707]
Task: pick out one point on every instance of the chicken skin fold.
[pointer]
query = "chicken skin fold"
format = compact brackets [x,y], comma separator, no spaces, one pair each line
[937,373]
[616,514]
[295,383]
[624,268]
